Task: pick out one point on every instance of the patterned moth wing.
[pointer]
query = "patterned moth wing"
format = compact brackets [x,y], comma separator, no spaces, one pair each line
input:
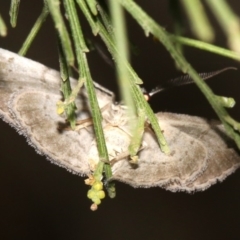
[200,154]
[29,92]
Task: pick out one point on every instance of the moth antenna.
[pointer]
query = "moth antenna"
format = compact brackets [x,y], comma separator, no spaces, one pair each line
[186,79]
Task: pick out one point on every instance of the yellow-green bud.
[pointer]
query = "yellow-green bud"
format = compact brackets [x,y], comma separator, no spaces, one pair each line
[96,200]
[101,194]
[98,186]
[91,193]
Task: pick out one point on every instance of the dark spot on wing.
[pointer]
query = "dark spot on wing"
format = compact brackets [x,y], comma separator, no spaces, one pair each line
[172,153]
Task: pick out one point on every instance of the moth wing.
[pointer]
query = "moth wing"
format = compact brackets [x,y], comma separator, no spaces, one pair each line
[29,92]
[35,114]
[18,73]
[200,156]
[223,159]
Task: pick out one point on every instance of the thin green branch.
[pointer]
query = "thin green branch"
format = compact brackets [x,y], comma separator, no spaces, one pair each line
[178,21]
[55,12]
[66,88]
[80,49]
[93,6]
[121,42]
[105,20]
[34,31]
[228,20]
[206,46]
[14,8]
[198,20]
[3,28]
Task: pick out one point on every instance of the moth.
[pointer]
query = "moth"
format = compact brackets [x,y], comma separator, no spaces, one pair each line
[201,153]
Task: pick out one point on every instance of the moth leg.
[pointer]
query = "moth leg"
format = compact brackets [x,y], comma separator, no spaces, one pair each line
[123,155]
[86,122]
[80,124]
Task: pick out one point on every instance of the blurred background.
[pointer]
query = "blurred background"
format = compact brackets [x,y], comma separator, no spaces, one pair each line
[42,201]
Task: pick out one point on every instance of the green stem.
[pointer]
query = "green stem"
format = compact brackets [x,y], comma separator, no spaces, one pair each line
[14,8]
[3,28]
[80,49]
[34,31]
[120,39]
[55,12]
[228,20]
[207,47]
[198,20]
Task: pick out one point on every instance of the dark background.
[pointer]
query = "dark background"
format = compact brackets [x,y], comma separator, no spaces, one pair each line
[42,201]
